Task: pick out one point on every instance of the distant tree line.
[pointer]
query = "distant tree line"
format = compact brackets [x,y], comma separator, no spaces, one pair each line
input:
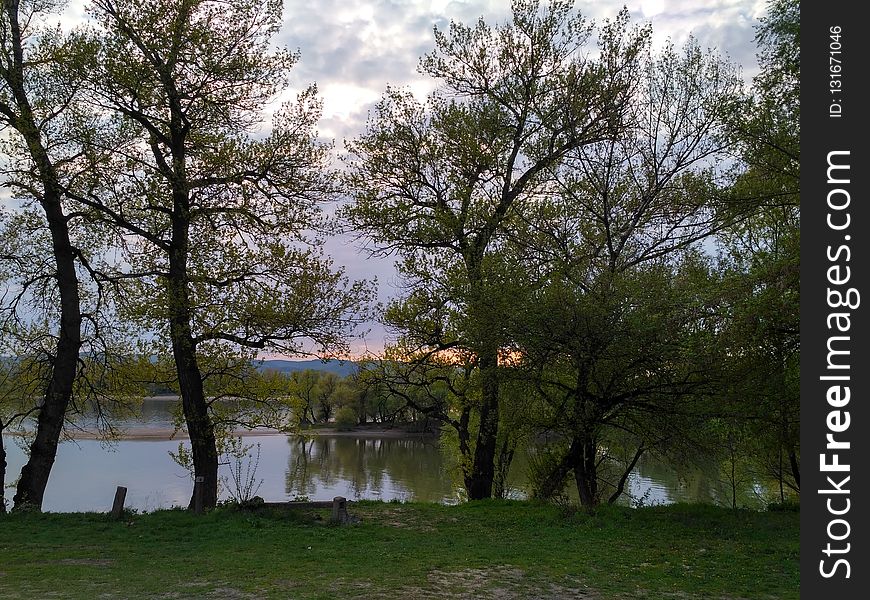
[316,397]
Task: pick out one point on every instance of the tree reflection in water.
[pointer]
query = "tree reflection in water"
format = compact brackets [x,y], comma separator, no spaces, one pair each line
[408,469]
[415,469]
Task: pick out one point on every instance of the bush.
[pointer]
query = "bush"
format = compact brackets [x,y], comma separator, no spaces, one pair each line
[345,418]
[786,506]
[544,481]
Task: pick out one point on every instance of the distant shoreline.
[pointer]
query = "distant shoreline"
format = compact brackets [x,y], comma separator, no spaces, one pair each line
[168,433]
[132,431]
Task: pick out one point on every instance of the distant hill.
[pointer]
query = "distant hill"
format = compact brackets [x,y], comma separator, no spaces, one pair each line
[342,368]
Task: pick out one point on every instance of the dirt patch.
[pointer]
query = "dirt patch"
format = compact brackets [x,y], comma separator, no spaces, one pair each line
[495,583]
[394,517]
[501,583]
[221,591]
[88,562]
[230,594]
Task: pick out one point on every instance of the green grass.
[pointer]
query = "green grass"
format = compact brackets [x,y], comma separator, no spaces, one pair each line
[475,550]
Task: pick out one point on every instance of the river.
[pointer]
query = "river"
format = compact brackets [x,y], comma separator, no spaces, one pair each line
[315,467]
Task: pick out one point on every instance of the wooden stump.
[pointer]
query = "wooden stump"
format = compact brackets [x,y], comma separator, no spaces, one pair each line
[118,504]
[339,510]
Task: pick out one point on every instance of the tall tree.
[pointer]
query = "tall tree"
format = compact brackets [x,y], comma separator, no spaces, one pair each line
[617,345]
[35,89]
[761,256]
[436,183]
[217,225]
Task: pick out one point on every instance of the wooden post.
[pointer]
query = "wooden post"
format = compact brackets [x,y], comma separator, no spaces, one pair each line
[118,504]
[197,494]
[339,510]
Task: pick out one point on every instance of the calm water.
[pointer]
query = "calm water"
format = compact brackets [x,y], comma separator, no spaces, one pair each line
[319,468]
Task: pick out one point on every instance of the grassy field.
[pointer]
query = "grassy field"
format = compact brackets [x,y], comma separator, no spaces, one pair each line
[493,549]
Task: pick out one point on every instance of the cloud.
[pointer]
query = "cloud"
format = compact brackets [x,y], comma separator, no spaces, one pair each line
[353,49]
[346,251]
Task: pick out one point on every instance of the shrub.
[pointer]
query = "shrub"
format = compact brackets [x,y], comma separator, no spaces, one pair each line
[785,506]
[544,480]
[345,418]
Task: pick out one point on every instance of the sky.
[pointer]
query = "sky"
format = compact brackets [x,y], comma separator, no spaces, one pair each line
[353,49]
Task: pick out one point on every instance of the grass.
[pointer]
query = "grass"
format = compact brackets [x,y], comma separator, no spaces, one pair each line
[476,550]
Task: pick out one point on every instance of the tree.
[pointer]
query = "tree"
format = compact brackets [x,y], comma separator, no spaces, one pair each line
[32,87]
[216,225]
[768,127]
[621,367]
[760,260]
[437,182]
[304,384]
[327,389]
[619,338]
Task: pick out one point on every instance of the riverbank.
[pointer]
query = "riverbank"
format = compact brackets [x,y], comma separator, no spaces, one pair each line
[163,433]
[504,550]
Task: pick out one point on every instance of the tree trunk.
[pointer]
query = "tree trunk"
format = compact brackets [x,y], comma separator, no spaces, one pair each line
[503,466]
[620,486]
[2,475]
[555,479]
[193,402]
[200,428]
[362,417]
[780,476]
[479,482]
[586,471]
[795,467]
[464,435]
[49,423]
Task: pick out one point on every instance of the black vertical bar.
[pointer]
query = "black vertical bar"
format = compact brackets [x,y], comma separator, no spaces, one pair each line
[835,227]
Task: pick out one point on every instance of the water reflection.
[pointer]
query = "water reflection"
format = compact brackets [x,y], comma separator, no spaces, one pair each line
[387,468]
[155,413]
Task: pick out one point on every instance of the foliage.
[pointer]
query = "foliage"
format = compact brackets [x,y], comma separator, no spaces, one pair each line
[543,464]
[252,271]
[243,484]
[550,204]
[759,259]
[216,228]
[52,310]
[345,419]
[439,183]
[618,333]
[28,266]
